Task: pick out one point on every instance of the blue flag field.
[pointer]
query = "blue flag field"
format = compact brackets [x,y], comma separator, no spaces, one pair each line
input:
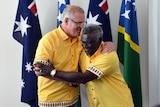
[27,32]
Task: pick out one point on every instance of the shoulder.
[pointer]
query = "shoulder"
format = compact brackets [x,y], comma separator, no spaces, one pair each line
[52,35]
[107,63]
[111,55]
[108,59]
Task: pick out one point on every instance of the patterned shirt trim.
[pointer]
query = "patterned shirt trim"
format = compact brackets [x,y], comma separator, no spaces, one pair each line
[58,104]
[95,71]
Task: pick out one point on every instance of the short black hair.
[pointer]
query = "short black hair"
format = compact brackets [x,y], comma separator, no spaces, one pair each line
[94,29]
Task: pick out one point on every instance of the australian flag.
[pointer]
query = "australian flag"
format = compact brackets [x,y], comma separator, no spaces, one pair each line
[98,14]
[27,32]
[62,4]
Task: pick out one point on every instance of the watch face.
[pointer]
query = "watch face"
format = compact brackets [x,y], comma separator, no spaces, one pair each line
[53,72]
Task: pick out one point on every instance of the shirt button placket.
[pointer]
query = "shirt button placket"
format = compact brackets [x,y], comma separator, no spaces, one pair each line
[93,94]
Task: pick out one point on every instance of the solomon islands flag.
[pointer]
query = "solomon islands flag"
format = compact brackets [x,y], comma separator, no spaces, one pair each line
[128,49]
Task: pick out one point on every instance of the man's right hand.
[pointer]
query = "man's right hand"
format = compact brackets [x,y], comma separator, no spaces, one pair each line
[42,69]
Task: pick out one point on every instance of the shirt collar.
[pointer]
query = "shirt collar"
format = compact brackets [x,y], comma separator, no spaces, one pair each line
[62,33]
[65,36]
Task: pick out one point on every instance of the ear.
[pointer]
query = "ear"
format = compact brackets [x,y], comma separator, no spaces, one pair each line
[66,20]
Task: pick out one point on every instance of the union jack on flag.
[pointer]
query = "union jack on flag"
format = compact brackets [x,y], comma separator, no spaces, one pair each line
[98,14]
[27,32]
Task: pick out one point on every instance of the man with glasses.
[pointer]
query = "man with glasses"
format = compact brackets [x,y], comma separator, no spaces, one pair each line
[78,23]
[62,47]
[105,85]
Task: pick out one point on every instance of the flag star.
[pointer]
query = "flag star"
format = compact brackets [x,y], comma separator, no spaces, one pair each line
[61,2]
[28,67]
[22,26]
[22,83]
[126,14]
[134,6]
[59,17]
[133,3]
[127,1]
[93,20]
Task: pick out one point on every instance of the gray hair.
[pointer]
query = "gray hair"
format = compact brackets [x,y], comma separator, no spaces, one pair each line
[70,10]
[93,29]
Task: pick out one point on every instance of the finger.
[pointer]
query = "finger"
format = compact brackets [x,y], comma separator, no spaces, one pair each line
[105,50]
[37,69]
[38,73]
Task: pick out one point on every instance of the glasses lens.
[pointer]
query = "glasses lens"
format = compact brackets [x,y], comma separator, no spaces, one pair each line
[78,23]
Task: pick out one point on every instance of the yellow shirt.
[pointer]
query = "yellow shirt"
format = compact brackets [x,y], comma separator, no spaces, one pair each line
[110,89]
[64,54]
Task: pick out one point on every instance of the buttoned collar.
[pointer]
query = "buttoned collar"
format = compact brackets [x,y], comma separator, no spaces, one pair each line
[65,36]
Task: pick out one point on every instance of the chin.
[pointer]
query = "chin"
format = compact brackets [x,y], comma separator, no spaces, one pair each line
[88,53]
[78,33]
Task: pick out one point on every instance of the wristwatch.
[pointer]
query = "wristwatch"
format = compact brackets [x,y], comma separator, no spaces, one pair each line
[53,72]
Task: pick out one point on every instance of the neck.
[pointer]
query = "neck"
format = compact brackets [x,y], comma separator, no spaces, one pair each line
[66,31]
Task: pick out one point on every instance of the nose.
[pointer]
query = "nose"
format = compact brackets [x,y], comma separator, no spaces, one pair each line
[85,45]
[81,26]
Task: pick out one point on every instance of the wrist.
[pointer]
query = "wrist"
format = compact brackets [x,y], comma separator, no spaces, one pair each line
[53,72]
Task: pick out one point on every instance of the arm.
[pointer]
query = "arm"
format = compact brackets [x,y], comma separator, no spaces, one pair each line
[76,77]
[41,67]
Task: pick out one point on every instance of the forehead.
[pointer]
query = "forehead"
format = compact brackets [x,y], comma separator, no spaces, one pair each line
[79,16]
[88,37]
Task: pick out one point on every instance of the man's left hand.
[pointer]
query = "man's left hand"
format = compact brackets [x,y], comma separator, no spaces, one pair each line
[108,47]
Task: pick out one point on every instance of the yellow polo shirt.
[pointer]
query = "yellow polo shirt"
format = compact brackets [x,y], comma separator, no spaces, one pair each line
[64,54]
[110,89]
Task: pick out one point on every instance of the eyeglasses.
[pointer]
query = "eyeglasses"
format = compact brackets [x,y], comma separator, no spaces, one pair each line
[78,23]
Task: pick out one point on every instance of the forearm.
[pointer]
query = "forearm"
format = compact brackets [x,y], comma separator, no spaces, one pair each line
[69,76]
[50,72]
[76,77]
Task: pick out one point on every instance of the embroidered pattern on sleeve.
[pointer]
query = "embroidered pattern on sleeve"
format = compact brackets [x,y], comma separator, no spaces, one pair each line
[95,71]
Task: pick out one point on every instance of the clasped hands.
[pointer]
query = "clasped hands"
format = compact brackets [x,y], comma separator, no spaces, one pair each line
[45,70]
[42,69]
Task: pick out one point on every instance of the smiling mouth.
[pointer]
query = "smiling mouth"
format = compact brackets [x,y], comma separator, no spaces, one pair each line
[79,31]
[87,50]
